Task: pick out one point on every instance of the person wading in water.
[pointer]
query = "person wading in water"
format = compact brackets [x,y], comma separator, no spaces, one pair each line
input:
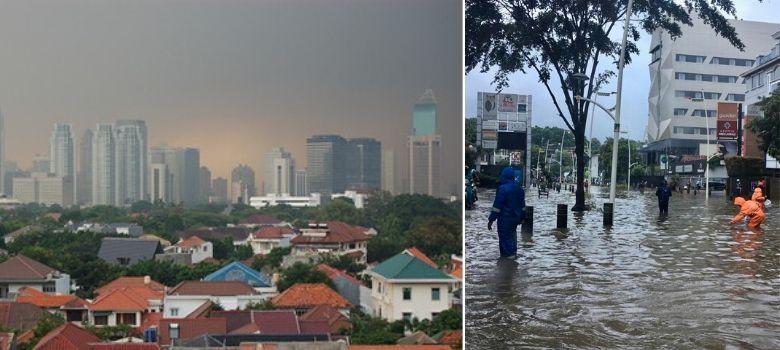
[508,209]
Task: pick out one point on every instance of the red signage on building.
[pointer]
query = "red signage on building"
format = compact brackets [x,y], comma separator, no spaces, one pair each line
[727,121]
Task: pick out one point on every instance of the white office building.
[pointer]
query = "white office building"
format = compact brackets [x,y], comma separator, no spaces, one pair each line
[130,157]
[103,176]
[424,164]
[279,172]
[761,80]
[160,183]
[689,76]
[312,200]
[301,186]
[62,154]
[388,171]
[44,189]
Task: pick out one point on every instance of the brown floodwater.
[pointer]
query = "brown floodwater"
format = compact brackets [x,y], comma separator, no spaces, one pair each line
[686,281]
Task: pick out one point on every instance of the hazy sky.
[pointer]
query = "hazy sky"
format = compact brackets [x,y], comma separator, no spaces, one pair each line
[233,78]
[635,84]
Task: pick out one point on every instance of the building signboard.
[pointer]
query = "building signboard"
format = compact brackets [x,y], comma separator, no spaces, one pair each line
[487,106]
[507,103]
[727,121]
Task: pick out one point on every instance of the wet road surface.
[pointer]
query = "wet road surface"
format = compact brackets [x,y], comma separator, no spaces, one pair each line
[687,281]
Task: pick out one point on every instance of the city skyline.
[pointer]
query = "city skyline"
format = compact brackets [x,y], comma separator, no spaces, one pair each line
[292,71]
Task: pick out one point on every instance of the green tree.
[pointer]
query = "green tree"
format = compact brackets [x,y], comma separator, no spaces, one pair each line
[302,273]
[48,323]
[342,209]
[560,38]
[471,130]
[262,305]
[342,262]
[373,330]
[437,236]
[768,127]
[271,260]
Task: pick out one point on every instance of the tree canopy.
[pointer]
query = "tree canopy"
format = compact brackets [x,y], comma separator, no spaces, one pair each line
[768,127]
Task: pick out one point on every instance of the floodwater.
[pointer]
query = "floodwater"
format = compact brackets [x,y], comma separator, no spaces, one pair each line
[687,281]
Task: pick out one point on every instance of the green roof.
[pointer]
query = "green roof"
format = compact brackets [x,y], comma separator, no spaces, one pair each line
[407,267]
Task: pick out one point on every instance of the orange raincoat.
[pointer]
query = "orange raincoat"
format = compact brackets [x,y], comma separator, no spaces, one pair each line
[758,196]
[751,209]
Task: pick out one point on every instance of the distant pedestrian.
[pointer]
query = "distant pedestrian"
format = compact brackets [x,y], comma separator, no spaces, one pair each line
[508,209]
[663,193]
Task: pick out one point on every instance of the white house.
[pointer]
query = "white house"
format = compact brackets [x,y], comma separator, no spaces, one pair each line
[189,296]
[199,249]
[333,237]
[270,237]
[405,287]
[21,271]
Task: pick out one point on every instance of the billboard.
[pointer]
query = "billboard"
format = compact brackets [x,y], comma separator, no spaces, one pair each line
[512,140]
[507,103]
[487,105]
[727,121]
[490,125]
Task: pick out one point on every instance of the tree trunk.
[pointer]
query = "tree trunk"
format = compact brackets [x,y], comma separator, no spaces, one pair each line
[579,150]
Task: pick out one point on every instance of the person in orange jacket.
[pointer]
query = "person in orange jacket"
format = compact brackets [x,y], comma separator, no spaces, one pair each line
[758,196]
[751,209]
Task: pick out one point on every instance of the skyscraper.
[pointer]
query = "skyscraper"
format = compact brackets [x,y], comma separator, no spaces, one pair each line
[61,156]
[424,148]
[388,171]
[279,172]
[190,184]
[184,172]
[205,184]
[301,186]
[84,186]
[364,164]
[160,183]
[103,166]
[219,190]
[242,184]
[169,156]
[130,161]
[326,171]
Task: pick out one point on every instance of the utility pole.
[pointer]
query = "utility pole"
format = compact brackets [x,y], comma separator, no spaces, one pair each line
[560,161]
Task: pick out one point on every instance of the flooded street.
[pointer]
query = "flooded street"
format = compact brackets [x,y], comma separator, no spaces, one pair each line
[690,281]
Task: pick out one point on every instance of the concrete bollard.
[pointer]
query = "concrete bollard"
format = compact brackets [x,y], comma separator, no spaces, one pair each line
[609,211]
[563,214]
[528,221]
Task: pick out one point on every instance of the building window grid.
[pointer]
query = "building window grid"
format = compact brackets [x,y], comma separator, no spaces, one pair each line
[680,111]
[689,58]
[728,61]
[729,79]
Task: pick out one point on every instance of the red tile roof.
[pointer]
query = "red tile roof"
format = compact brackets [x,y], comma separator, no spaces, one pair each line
[457,273]
[201,311]
[452,338]
[259,219]
[413,251]
[190,328]
[334,320]
[273,232]
[25,337]
[131,281]
[67,337]
[123,346]
[337,232]
[126,299]
[190,242]
[332,273]
[213,288]
[6,339]
[40,299]
[22,316]
[235,318]
[308,295]
[21,267]
[277,322]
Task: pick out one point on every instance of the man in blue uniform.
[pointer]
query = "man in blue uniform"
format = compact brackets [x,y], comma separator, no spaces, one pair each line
[508,209]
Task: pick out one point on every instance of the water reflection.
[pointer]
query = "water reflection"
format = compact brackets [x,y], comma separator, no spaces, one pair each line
[686,280]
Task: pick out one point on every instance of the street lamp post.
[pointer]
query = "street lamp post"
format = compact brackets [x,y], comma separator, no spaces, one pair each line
[590,137]
[560,161]
[621,65]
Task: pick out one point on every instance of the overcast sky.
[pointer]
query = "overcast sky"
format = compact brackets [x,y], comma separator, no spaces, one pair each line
[232,78]
[636,82]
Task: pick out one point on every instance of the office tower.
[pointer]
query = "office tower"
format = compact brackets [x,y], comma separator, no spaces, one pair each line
[205,184]
[190,184]
[242,184]
[130,161]
[103,176]
[61,155]
[363,162]
[161,183]
[424,147]
[301,186]
[689,76]
[326,170]
[12,171]
[44,189]
[219,190]
[84,179]
[184,171]
[40,164]
[279,172]
[388,171]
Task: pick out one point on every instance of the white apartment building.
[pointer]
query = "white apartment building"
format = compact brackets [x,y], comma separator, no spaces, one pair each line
[760,81]
[301,186]
[131,159]
[103,171]
[44,189]
[279,172]
[62,153]
[698,65]
[312,200]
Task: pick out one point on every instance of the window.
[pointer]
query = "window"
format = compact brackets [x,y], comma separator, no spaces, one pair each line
[680,111]
[727,79]
[407,293]
[173,331]
[689,58]
[735,97]
[707,77]
[711,95]
[710,113]
[407,316]
[689,131]
[125,318]
[685,76]
[435,294]
[49,288]
[174,311]
[522,108]
[434,314]
[702,131]
[205,248]
[101,320]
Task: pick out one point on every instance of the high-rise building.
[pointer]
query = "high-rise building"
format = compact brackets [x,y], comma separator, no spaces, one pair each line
[62,155]
[689,75]
[424,147]
[279,172]
[130,161]
[205,184]
[184,172]
[326,170]
[160,183]
[363,163]
[103,166]
[190,191]
[301,186]
[84,179]
[219,190]
[242,184]
[388,171]
[169,156]
[424,115]
[44,188]
[40,164]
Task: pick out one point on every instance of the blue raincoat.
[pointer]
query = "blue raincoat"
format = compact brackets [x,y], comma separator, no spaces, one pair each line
[508,209]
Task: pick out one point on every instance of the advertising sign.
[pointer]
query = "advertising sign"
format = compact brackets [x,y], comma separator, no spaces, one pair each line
[488,144]
[490,125]
[507,103]
[489,135]
[487,105]
[727,121]
[515,158]
[512,140]
[517,126]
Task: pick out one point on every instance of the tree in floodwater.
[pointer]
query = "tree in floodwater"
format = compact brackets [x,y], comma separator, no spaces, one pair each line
[768,127]
[557,39]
